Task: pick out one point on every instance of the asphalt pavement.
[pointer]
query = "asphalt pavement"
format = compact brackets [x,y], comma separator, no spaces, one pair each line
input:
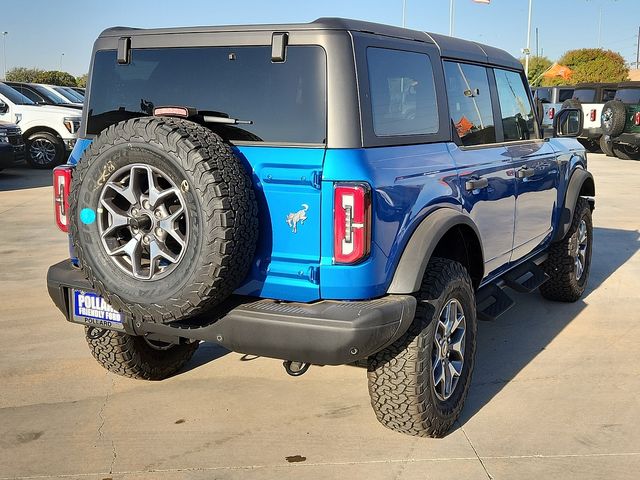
[555,394]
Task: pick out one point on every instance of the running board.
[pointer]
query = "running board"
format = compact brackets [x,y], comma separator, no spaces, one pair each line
[492,301]
[525,278]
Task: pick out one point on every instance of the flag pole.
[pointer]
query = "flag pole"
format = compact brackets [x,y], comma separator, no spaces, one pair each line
[451,13]
[528,52]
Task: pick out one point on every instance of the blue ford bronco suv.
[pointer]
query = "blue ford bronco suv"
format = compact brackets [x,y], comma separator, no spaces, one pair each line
[325,193]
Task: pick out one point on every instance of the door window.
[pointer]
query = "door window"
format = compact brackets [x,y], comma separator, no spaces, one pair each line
[518,121]
[403,93]
[470,103]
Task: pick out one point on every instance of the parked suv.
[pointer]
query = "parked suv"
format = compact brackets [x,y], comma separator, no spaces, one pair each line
[323,193]
[11,145]
[591,97]
[49,131]
[550,100]
[41,95]
[621,122]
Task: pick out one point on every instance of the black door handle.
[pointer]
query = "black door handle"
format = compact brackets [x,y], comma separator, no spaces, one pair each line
[476,183]
[525,172]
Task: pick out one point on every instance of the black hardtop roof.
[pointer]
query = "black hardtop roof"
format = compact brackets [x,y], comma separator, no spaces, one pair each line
[595,85]
[635,84]
[450,47]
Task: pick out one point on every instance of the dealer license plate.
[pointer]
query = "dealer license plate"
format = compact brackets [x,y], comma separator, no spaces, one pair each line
[91,309]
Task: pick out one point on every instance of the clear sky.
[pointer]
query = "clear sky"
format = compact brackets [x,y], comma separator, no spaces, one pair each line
[40,31]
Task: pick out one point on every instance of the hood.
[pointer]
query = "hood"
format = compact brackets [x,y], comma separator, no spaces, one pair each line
[53,109]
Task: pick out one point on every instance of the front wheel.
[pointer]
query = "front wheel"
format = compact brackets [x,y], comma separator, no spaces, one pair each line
[137,357]
[44,150]
[418,384]
[569,260]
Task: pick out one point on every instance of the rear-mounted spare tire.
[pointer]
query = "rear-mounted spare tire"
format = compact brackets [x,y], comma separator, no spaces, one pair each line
[163,218]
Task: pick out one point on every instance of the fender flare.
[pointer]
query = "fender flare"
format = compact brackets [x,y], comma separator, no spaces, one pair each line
[579,178]
[420,247]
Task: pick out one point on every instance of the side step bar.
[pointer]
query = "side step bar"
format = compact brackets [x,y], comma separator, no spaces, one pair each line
[492,300]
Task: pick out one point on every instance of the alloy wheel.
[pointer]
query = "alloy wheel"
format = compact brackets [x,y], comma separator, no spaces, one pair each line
[447,357]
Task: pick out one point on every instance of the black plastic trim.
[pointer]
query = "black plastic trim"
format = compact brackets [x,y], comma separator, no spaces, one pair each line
[578,178]
[324,332]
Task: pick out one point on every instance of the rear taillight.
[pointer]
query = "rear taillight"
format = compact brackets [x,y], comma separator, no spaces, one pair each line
[593,115]
[351,222]
[552,113]
[636,119]
[61,188]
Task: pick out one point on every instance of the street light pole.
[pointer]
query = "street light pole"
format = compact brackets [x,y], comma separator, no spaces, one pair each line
[61,57]
[528,51]
[404,11]
[4,54]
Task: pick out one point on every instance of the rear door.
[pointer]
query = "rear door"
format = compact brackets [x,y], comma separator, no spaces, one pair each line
[487,185]
[533,160]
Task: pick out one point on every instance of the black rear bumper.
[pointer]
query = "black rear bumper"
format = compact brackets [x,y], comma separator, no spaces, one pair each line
[627,138]
[324,332]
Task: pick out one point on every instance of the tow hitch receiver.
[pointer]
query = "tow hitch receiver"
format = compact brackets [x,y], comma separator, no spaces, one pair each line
[295,369]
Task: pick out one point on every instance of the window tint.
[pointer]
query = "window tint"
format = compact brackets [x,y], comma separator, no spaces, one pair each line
[608,95]
[403,98]
[585,95]
[30,94]
[517,114]
[13,95]
[286,101]
[565,94]
[630,96]
[470,103]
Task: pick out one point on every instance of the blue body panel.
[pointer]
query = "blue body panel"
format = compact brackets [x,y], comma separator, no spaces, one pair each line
[294,189]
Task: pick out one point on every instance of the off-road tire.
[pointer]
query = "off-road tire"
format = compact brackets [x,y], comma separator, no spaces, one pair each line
[618,114]
[563,285]
[400,381]
[56,144]
[626,152]
[131,356]
[607,148]
[219,198]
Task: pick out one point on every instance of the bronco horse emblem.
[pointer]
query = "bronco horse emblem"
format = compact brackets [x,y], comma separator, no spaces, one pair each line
[300,216]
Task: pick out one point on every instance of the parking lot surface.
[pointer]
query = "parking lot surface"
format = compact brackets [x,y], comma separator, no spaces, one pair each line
[556,389]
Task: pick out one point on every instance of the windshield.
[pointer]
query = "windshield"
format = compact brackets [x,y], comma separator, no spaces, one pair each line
[630,96]
[14,96]
[52,97]
[585,95]
[66,95]
[285,101]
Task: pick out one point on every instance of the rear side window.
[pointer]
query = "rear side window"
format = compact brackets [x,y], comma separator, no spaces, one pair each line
[543,94]
[518,122]
[630,96]
[403,96]
[286,101]
[470,103]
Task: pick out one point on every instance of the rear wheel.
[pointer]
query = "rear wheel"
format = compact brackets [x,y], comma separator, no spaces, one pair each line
[626,152]
[418,384]
[137,357]
[44,150]
[569,260]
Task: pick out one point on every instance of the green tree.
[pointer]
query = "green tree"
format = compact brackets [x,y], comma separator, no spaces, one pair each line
[55,77]
[595,65]
[24,74]
[537,66]
[81,81]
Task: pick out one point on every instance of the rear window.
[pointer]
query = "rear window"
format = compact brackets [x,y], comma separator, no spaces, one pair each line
[565,94]
[403,93]
[585,95]
[285,101]
[543,94]
[630,96]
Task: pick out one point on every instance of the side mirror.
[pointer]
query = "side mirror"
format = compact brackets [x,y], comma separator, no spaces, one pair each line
[568,122]
[4,108]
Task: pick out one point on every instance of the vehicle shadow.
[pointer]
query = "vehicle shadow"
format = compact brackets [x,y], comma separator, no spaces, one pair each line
[20,178]
[206,353]
[509,344]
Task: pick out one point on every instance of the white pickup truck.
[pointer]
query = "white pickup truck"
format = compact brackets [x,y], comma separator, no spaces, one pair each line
[49,132]
[591,97]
